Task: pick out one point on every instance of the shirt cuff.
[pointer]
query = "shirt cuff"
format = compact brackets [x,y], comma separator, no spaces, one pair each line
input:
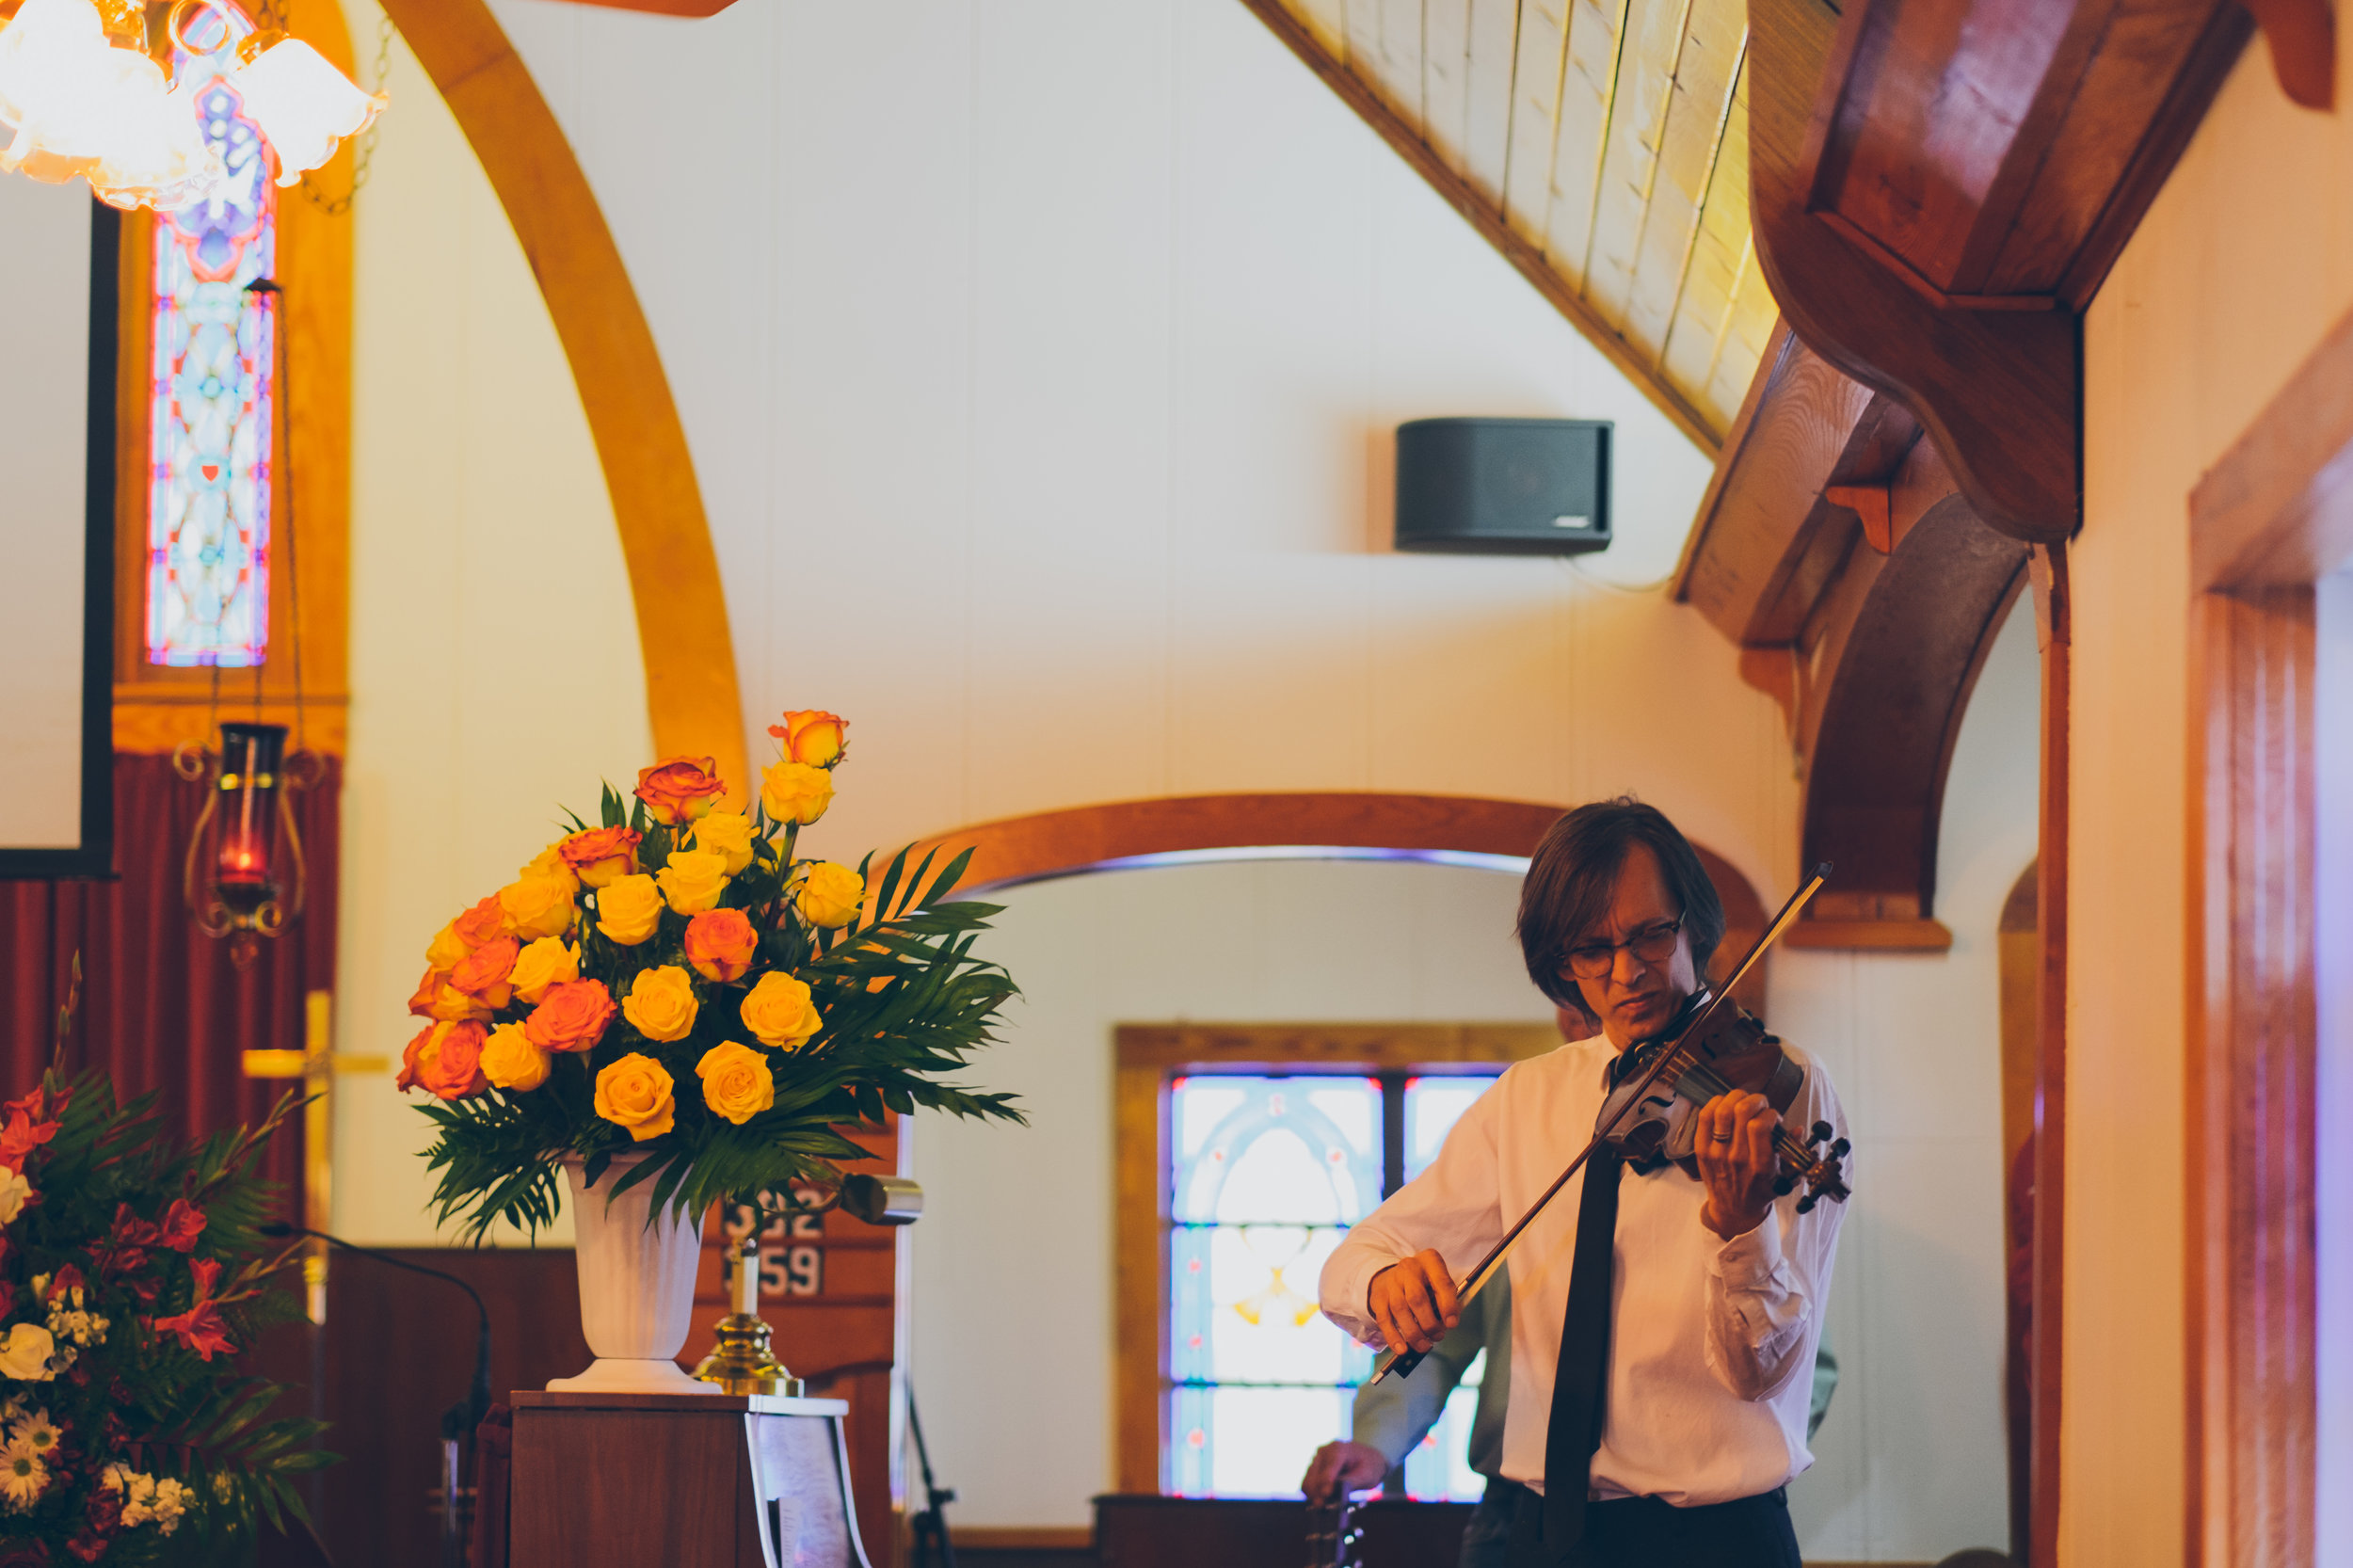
[1751,1260]
[1347,1296]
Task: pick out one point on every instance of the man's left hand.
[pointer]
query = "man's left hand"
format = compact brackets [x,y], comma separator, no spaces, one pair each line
[1734,1142]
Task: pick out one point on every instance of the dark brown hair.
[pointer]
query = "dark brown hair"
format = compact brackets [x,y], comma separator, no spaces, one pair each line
[1574,874]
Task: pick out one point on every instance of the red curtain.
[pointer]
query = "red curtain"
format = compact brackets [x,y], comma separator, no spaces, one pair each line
[162,1007]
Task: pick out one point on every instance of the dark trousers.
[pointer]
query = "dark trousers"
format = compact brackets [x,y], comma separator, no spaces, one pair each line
[1644,1532]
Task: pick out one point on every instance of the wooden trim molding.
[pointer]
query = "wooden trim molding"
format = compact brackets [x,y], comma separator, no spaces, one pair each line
[1146,1058]
[691,690]
[157,708]
[2271,517]
[1173,829]
[2055,634]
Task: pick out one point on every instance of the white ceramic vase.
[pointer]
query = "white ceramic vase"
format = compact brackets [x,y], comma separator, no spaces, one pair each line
[636,1284]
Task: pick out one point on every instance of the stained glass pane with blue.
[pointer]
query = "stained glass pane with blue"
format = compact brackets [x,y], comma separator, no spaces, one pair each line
[1432,1106]
[210,395]
[1268,1173]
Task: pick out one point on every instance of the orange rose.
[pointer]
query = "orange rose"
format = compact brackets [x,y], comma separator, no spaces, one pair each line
[412,1062]
[572,1017]
[601,854]
[452,1063]
[677,790]
[480,923]
[430,986]
[482,975]
[452,1005]
[721,944]
[813,736]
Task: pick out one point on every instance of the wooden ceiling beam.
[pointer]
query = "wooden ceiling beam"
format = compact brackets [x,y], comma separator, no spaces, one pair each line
[1940,187]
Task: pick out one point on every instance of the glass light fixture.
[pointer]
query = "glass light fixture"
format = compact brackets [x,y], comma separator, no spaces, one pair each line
[304,105]
[85,98]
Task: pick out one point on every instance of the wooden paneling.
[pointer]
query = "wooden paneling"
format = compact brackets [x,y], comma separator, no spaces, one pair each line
[1234,1532]
[1601,145]
[2268,519]
[1940,187]
[691,692]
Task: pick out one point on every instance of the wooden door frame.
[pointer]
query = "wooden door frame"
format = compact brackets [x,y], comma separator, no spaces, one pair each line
[2270,520]
[1147,1057]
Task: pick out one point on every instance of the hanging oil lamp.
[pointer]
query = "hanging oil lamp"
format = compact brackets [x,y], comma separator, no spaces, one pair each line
[232,877]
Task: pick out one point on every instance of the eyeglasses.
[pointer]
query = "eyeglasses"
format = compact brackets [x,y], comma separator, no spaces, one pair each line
[1652,944]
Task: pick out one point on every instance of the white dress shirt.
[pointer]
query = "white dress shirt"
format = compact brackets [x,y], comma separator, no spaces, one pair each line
[1711,1341]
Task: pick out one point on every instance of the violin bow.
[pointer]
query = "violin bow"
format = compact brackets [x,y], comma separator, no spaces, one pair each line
[1401,1363]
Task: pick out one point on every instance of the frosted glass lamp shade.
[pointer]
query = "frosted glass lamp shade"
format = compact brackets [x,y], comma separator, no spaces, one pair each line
[304,105]
[158,156]
[59,85]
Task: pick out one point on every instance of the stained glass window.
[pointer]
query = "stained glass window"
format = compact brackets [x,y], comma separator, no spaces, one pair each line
[209,456]
[1267,1176]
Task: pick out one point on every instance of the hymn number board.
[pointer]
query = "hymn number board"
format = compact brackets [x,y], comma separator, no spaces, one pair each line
[791,1246]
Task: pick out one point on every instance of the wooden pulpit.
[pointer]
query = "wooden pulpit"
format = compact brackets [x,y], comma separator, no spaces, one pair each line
[685,1480]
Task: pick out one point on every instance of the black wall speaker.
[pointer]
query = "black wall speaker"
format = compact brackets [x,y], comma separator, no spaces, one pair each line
[1503,486]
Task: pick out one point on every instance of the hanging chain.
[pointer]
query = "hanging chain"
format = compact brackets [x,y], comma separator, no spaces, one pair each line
[336,206]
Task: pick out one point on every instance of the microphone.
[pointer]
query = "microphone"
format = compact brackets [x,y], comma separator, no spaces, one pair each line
[459,1420]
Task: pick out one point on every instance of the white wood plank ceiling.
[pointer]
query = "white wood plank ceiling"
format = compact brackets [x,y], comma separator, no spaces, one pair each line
[1603,144]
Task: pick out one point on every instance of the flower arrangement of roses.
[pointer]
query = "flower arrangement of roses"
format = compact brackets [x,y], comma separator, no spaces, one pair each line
[674,980]
[130,1275]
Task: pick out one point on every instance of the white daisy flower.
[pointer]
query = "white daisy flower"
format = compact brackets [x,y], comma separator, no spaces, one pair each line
[35,1426]
[23,1476]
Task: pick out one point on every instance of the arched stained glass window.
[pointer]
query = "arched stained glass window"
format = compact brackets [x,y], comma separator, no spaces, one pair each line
[1266,1176]
[211,396]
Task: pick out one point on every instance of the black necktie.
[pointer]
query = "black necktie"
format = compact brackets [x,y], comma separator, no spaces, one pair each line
[1580,1379]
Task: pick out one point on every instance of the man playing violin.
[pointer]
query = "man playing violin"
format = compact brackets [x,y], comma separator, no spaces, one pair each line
[1665,1313]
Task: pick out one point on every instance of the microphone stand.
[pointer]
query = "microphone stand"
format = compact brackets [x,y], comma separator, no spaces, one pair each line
[932,1547]
[459,1420]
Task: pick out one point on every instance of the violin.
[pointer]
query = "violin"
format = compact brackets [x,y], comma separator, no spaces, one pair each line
[1654,1115]
[1711,1046]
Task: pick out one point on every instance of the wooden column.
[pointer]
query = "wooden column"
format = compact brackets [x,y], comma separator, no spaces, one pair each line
[2268,520]
[2052,616]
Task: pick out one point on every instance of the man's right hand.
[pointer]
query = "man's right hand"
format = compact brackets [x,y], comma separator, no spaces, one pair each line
[1343,1466]
[1413,1302]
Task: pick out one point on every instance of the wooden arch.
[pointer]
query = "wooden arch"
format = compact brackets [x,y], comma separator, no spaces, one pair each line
[691,692]
[1174,829]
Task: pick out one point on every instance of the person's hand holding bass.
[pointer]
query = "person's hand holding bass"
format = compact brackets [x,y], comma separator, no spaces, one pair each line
[1413,1302]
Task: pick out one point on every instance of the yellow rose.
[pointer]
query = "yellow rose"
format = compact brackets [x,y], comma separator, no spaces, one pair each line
[830,894]
[694,880]
[779,1014]
[635,1092]
[511,1060]
[446,952]
[550,862]
[24,1354]
[661,1003]
[728,834]
[795,791]
[737,1083]
[452,1005]
[540,965]
[629,908]
[537,906]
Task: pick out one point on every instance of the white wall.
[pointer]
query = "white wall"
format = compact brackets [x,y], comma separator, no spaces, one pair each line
[1038,360]
[495,671]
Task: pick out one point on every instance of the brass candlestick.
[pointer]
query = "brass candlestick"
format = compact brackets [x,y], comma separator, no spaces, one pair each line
[742,1363]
